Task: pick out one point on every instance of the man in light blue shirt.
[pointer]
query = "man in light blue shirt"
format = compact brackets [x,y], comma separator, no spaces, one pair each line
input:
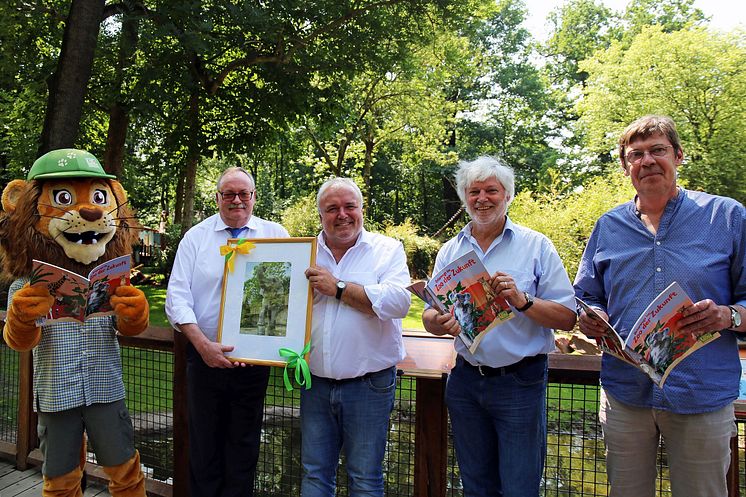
[667,234]
[496,397]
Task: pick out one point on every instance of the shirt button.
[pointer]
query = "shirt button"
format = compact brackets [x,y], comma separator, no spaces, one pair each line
[658,269]
[657,243]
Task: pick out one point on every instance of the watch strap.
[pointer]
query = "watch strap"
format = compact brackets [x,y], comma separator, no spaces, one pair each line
[340,288]
[529,303]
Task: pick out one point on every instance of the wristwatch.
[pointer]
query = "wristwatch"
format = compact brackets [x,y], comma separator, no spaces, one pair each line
[341,285]
[529,302]
[735,317]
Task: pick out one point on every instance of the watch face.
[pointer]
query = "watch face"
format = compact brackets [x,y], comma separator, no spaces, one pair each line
[341,284]
[735,317]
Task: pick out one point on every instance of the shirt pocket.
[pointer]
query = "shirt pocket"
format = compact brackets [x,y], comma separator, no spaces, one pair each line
[524,281]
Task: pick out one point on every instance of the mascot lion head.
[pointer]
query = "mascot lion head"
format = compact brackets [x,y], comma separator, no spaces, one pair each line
[68,212]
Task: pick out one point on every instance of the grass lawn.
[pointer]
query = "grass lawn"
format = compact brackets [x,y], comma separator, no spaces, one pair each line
[157,298]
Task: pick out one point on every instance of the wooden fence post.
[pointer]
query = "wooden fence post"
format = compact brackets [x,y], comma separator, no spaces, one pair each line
[431,438]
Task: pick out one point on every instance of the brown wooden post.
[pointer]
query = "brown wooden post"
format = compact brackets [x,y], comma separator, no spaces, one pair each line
[26,438]
[181,427]
[431,438]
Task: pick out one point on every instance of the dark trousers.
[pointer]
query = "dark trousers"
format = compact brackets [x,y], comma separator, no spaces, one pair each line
[226,407]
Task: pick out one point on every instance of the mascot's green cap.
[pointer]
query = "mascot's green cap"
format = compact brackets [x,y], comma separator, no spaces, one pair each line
[67,163]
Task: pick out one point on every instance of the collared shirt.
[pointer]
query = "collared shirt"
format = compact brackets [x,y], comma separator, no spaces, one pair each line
[531,259]
[700,243]
[75,364]
[346,343]
[195,285]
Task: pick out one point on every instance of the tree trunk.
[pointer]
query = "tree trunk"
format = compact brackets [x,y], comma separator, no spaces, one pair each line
[116,138]
[193,156]
[119,119]
[179,197]
[451,202]
[67,86]
[367,167]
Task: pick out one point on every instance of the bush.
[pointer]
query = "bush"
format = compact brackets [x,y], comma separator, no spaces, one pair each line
[301,218]
[420,250]
[568,220]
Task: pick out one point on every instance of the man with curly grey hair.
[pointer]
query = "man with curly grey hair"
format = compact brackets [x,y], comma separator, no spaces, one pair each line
[498,393]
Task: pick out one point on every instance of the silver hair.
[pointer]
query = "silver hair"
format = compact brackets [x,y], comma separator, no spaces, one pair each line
[337,182]
[234,169]
[481,169]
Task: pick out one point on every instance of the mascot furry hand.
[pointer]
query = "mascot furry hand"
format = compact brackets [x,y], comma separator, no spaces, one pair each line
[72,214]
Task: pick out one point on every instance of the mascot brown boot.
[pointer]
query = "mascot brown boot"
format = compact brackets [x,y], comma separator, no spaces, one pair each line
[67,485]
[127,479]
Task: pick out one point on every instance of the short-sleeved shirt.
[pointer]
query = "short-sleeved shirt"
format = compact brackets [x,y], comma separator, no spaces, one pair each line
[75,364]
[531,259]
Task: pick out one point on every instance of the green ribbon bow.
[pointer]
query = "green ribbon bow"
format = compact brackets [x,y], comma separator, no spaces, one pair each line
[302,371]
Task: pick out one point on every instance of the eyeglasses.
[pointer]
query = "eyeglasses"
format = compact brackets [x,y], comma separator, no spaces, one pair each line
[635,156]
[231,196]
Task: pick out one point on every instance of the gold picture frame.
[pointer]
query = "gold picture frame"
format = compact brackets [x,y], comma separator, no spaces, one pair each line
[266,300]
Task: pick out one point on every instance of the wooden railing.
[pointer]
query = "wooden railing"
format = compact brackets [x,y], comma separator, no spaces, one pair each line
[428,360]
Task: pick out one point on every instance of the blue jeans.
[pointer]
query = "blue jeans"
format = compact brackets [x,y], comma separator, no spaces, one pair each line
[499,429]
[346,414]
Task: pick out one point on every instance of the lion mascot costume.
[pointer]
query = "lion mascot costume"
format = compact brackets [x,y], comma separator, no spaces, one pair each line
[72,214]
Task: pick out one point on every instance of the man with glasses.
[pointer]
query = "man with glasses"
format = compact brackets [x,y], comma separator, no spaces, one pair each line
[225,399]
[666,234]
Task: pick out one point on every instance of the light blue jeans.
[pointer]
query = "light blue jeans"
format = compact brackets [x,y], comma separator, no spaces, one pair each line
[352,415]
[499,429]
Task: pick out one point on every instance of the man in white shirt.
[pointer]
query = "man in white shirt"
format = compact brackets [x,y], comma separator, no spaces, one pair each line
[359,301]
[225,399]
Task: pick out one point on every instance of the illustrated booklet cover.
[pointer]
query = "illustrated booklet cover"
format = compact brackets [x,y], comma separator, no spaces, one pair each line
[76,297]
[655,344]
[462,289]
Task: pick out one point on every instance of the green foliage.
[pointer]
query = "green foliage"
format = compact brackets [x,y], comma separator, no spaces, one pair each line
[569,218]
[301,218]
[420,250]
[698,79]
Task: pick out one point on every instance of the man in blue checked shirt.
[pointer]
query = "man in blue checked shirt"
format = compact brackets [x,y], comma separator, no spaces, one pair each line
[666,234]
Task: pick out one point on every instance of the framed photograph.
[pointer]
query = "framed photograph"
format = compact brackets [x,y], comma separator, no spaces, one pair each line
[266,301]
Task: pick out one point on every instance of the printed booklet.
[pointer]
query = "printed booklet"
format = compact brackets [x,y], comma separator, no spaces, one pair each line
[654,344]
[76,297]
[462,289]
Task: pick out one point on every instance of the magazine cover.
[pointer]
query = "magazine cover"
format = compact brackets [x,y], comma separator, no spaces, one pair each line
[463,289]
[77,297]
[420,289]
[655,344]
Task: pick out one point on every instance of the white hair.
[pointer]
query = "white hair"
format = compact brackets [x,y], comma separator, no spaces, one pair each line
[233,169]
[337,182]
[481,169]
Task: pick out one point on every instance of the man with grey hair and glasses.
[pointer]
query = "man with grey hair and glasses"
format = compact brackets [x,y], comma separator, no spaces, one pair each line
[359,300]
[666,234]
[225,399]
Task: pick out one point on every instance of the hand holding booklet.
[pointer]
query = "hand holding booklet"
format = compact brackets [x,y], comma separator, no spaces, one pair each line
[76,297]
[654,344]
[462,289]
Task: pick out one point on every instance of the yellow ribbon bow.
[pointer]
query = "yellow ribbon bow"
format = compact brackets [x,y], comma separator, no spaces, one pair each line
[242,246]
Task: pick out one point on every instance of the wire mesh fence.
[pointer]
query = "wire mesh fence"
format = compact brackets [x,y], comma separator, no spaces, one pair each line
[575,454]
